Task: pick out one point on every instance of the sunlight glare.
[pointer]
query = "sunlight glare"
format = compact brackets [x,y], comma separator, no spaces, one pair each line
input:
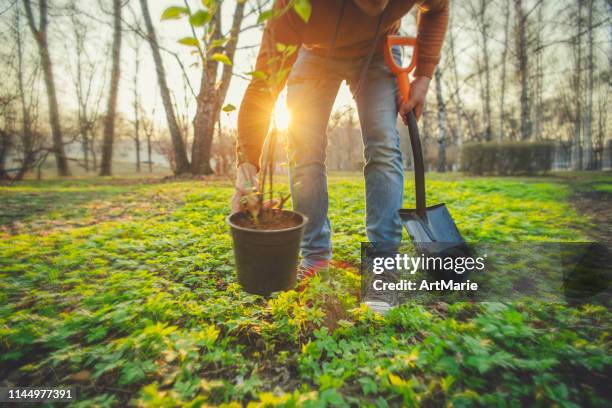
[282,116]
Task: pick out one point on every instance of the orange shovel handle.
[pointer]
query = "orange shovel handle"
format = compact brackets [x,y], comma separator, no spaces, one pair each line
[401,73]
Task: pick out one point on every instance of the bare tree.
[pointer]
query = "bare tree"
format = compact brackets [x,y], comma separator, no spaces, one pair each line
[85,71]
[27,136]
[109,120]
[577,85]
[136,102]
[7,134]
[523,68]
[480,15]
[456,86]
[148,127]
[588,115]
[538,79]
[504,58]
[441,123]
[40,35]
[212,92]
[180,160]
[28,143]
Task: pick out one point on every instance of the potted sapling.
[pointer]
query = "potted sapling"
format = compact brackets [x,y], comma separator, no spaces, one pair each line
[266,235]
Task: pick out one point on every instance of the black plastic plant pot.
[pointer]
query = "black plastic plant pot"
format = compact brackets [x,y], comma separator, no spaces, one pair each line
[266,260]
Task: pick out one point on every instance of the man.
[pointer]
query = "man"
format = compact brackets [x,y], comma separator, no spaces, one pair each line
[343,40]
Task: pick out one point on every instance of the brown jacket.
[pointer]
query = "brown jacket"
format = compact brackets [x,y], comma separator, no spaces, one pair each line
[354,39]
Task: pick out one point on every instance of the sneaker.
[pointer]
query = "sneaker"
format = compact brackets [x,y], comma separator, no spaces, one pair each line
[307,272]
[381,301]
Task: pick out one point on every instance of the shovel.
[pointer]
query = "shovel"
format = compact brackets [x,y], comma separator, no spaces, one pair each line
[431,229]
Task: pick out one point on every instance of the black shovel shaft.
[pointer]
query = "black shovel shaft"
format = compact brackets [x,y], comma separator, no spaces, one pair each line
[419,166]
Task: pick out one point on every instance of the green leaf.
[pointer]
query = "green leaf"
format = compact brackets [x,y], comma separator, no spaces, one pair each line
[200,18]
[265,16]
[219,42]
[229,107]
[291,49]
[174,13]
[258,75]
[189,41]
[368,385]
[221,58]
[303,9]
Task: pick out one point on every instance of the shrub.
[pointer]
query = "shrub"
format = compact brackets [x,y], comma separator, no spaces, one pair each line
[507,158]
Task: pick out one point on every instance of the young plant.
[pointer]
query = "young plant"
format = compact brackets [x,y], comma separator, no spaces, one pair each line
[260,209]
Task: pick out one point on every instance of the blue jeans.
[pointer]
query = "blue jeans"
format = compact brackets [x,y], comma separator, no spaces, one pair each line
[311,91]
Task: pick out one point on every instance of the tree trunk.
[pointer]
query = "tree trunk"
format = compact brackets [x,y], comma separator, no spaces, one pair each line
[85,148]
[502,101]
[576,143]
[538,98]
[523,69]
[40,35]
[82,93]
[441,123]
[211,96]
[149,158]
[204,121]
[137,107]
[109,121]
[178,145]
[27,137]
[456,96]
[588,117]
[5,145]
[94,157]
[484,33]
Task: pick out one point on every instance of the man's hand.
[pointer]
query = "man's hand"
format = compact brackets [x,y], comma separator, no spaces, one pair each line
[418,92]
[246,179]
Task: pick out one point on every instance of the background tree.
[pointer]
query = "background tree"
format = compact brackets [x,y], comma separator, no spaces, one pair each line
[478,12]
[109,119]
[577,86]
[504,65]
[219,51]
[40,35]
[522,56]
[179,153]
[441,167]
[136,102]
[85,70]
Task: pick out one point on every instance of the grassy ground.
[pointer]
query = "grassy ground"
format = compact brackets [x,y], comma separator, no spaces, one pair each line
[126,289]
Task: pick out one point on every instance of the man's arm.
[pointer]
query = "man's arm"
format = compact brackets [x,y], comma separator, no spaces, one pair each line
[433,22]
[431,30]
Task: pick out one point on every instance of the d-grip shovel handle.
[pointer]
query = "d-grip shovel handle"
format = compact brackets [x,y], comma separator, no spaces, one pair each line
[401,73]
[403,82]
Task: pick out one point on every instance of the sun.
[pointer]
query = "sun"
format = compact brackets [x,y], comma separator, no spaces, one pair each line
[282,115]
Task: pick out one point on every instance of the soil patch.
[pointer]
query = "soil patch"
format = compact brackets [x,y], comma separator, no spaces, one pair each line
[271,220]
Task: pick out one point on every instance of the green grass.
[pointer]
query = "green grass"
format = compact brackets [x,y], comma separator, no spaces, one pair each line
[127,290]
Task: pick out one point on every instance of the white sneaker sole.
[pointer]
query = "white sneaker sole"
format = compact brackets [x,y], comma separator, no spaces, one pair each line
[379,306]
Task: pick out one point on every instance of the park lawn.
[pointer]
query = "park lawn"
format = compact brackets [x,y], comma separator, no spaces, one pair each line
[126,289]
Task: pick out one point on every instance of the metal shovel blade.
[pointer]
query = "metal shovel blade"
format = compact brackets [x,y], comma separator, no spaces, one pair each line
[436,235]
[436,227]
